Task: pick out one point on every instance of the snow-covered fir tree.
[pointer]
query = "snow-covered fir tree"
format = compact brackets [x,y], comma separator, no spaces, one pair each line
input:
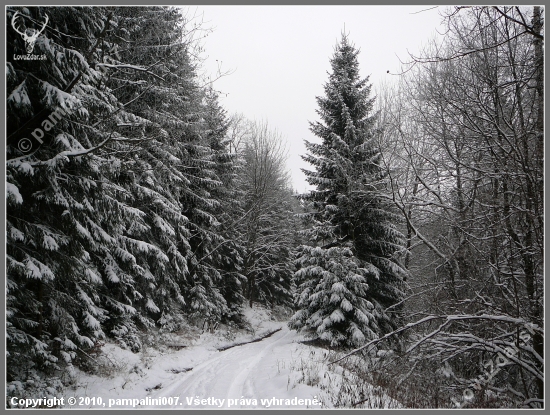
[349,274]
[332,304]
[112,223]
[227,252]
[152,247]
[57,205]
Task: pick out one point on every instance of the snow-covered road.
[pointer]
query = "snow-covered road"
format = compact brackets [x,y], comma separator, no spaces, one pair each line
[248,376]
[276,372]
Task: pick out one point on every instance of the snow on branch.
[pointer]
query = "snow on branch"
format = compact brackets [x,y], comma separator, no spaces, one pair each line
[448,319]
[132,67]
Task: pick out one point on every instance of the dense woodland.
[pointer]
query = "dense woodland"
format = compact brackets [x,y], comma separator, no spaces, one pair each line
[145,207]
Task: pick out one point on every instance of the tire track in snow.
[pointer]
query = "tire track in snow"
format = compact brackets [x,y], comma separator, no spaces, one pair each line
[237,388]
[224,376]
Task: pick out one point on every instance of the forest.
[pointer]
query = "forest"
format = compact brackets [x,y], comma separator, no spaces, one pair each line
[138,206]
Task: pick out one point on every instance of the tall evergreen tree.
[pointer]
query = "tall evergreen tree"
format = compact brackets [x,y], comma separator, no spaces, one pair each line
[227,254]
[354,266]
[113,223]
[58,205]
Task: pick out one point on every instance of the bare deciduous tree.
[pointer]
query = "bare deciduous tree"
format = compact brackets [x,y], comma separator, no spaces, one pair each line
[465,129]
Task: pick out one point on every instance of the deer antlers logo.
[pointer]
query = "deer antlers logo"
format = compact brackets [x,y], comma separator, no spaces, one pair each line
[30,35]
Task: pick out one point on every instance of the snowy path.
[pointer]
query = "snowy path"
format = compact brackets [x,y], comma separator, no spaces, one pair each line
[251,372]
[277,372]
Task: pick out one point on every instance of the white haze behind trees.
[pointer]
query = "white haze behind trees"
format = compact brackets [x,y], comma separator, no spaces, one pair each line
[277,58]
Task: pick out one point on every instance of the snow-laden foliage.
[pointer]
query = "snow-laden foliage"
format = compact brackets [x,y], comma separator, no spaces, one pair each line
[464,136]
[332,295]
[118,222]
[349,205]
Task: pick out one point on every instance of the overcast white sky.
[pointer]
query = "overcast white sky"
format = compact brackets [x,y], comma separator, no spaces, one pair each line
[279,56]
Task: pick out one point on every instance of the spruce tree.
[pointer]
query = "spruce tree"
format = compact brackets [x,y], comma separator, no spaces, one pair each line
[112,224]
[349,275]
[227,252]
[57,210]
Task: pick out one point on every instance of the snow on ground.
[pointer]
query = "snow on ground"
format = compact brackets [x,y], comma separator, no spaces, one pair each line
[277,372]
[250,376]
